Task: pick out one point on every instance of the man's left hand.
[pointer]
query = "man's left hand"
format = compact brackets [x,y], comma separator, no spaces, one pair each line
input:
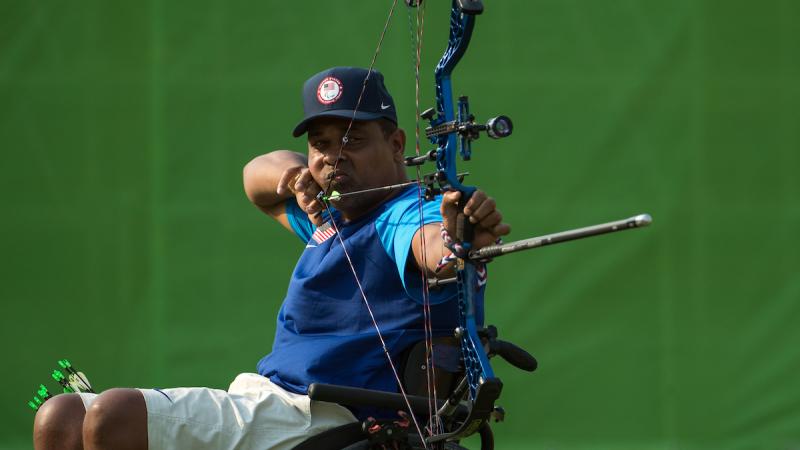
[481,211]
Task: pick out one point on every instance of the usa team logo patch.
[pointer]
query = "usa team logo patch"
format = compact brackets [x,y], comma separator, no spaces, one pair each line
[323,233]
[329,90]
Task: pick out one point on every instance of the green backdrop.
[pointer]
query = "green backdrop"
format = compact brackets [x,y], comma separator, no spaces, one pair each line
[129,247]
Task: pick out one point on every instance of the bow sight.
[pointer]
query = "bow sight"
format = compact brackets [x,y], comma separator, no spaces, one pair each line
[467,130]
[496,127]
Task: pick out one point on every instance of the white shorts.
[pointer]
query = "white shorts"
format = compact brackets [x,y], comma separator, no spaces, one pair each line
[253,414]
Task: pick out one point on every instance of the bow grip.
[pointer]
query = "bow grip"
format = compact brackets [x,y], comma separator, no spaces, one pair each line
[465,231]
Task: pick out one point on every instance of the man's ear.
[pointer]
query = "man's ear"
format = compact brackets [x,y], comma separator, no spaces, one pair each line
[398,143]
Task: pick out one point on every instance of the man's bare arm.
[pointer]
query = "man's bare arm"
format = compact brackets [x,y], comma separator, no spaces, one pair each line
[269,181]
[434,251]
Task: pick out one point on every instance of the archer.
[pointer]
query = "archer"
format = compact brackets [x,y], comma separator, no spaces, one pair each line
[369,252]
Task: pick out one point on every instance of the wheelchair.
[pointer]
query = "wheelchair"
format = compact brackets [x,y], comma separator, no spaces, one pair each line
[400,433]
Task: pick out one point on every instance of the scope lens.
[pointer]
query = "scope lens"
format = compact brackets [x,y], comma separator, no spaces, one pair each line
[499,127]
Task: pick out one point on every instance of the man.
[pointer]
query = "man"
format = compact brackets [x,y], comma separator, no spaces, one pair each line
[325,333]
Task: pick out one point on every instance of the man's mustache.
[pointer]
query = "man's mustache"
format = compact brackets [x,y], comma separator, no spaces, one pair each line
[335,173]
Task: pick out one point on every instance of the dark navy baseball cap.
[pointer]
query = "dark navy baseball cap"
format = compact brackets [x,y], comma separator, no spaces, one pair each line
[334,93]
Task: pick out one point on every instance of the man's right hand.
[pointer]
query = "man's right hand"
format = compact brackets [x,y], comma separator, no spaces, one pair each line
[298,181]
[272,178]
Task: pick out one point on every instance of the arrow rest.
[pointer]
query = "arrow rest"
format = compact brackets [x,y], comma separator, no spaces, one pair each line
[431,181]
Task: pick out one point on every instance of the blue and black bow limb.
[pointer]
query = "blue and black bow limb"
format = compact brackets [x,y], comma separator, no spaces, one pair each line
[452,129]
[69,379]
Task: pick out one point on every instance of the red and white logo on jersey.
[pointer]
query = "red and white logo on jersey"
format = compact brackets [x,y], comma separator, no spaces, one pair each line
[329,90]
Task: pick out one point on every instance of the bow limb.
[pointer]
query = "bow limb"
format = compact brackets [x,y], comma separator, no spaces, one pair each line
[461,25]
[452,131]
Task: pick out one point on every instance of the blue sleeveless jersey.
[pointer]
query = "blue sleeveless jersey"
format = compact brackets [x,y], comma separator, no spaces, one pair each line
[324,331]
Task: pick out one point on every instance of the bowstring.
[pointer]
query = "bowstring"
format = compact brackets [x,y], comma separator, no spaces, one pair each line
[339,235]
[360,96]
[430,371]
[375,323]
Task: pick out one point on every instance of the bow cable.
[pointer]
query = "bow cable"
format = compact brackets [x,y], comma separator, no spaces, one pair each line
[430,370]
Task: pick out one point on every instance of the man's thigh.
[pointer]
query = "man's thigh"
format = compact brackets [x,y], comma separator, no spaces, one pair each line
[253,414]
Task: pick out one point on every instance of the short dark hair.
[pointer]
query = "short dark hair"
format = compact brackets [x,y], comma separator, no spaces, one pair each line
[387,126]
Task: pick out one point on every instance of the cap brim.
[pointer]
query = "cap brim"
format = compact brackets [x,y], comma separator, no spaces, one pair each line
[302,127]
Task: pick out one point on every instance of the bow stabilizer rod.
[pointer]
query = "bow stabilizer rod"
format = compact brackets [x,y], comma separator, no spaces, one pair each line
[492,251]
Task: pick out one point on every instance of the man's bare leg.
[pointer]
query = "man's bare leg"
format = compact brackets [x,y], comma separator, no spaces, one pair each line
[116,419]
[59,423]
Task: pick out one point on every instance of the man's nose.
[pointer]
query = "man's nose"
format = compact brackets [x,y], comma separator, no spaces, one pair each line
[334,153]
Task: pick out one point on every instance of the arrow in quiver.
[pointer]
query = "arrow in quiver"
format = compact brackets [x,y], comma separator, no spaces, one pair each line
[72,381]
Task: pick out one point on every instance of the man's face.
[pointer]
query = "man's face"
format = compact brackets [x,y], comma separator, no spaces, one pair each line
[370,159]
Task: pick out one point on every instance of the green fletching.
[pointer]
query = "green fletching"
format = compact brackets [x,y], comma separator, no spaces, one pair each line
[58,375]
[43,391]
[34,406]
[334,196]
[64,363]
